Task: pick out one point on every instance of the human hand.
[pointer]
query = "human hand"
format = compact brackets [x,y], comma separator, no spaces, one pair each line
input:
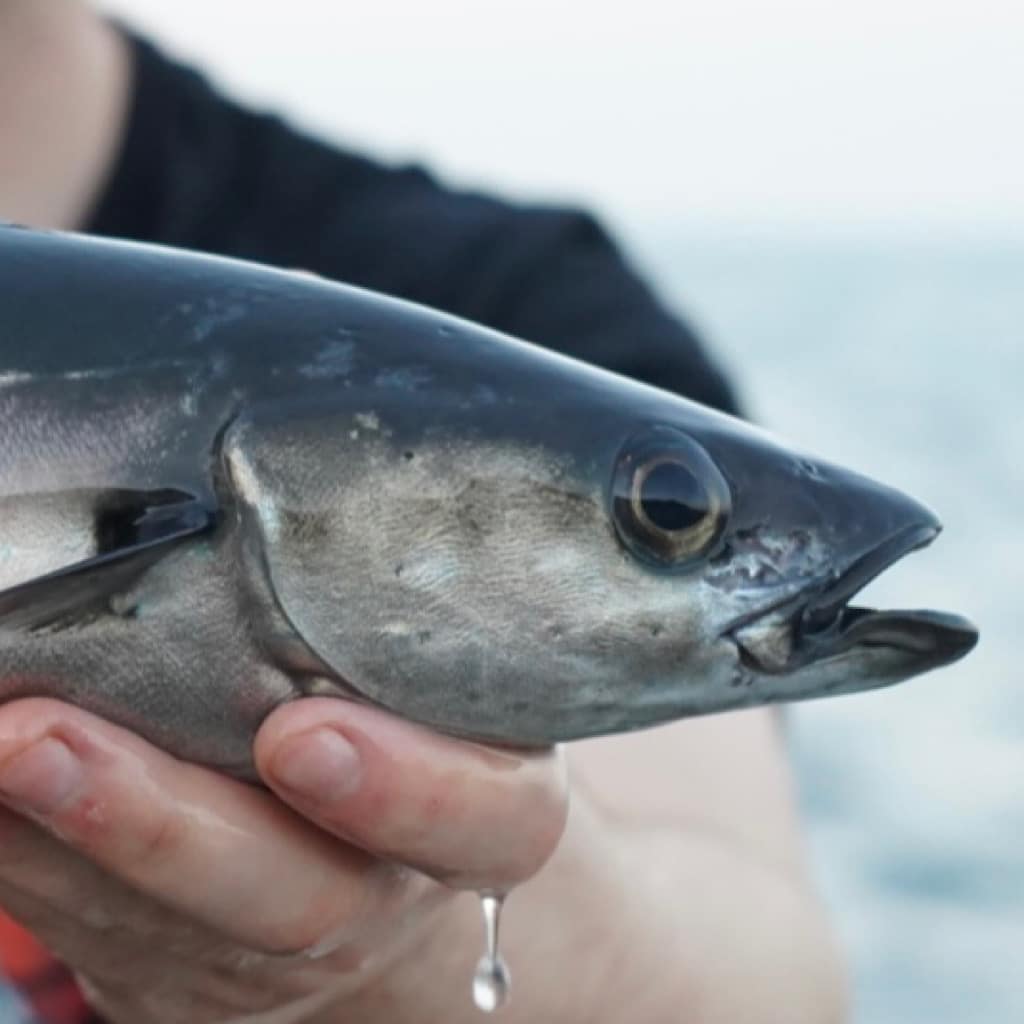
[177,894]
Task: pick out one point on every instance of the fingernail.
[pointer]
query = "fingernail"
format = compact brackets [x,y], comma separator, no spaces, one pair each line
[42,778]
[320,765]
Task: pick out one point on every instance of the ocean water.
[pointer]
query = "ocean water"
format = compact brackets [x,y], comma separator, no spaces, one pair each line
[904,360]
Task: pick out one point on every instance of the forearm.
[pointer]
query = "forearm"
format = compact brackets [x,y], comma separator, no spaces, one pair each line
[653,925]
[720,918]
[728,939]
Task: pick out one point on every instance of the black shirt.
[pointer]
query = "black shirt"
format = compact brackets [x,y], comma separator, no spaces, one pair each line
[199,171]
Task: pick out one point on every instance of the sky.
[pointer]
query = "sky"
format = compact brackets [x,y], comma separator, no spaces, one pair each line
[818,115]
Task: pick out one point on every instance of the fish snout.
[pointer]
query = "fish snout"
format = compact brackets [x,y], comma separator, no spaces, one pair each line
[848,531]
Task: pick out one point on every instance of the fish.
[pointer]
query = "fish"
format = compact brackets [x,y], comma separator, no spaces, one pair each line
[225,486]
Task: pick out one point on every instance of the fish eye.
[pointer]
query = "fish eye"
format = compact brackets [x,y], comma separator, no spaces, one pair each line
[670,502]
[669,497]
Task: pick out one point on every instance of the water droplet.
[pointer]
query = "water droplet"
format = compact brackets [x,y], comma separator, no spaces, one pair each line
[491,983]
[491,980]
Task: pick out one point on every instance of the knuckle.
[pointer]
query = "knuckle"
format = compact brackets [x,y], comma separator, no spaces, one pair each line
[296,937]
[332,920]
[160,839]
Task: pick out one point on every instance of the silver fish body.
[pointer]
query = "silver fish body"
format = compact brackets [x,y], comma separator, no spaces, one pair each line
[223,487]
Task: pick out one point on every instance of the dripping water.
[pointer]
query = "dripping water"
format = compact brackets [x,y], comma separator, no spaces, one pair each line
[491,980]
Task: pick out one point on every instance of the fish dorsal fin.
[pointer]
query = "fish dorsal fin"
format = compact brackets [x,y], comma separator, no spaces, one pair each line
[134,530]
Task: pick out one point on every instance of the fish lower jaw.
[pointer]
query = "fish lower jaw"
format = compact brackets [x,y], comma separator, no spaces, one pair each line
[780,644]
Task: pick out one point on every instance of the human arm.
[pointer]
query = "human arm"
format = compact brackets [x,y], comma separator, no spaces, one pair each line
[177,894]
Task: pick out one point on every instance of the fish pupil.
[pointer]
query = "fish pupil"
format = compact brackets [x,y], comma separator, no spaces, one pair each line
[672,498]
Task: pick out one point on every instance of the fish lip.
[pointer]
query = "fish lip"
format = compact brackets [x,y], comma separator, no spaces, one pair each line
[937,637]
[822,623]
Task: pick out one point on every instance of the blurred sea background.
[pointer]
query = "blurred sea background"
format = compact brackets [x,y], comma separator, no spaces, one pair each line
[907,362]
[834,195]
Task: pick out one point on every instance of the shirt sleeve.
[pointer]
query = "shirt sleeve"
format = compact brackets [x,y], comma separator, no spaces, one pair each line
[561,281]
[199,170]
[548,275]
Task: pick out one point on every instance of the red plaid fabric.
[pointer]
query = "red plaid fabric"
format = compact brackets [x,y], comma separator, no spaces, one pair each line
[46,986]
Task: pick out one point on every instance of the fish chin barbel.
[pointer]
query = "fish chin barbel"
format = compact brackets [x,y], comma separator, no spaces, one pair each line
[223,487]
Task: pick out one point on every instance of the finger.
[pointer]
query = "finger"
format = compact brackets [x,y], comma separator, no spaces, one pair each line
[85,914]
[175,971]
[473,816]
[224,853]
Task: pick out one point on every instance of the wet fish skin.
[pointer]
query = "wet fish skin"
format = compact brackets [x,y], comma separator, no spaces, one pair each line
[223,487]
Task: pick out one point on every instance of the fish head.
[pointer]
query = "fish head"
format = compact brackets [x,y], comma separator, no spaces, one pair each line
[798,538]
[566,553]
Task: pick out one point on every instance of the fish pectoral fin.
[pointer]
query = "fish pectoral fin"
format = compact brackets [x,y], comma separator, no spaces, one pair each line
[134,530]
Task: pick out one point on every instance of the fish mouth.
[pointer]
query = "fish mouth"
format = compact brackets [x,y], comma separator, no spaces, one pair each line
[819,624]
